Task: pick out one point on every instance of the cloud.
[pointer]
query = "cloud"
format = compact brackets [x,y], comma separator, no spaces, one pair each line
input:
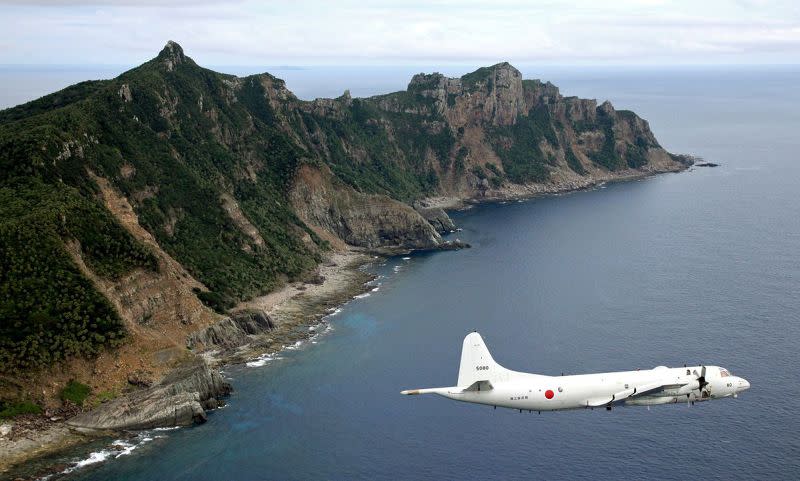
[108,3]
[307,32]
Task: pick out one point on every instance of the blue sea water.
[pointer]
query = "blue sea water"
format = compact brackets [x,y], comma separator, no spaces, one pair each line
[697,267]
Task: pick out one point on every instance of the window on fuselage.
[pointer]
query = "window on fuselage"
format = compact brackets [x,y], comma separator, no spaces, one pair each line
[723,372]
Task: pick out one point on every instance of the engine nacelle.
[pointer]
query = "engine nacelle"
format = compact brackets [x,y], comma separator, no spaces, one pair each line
[687,389]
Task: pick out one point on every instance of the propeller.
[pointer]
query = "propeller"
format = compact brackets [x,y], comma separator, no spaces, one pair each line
[701,379]
[699,384]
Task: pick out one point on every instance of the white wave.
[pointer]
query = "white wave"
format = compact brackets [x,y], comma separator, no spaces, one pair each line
[396,268]
[127,448]
[318,331]
[118,448]
[406,258]
[93,458]
[257,363]
[361,296]
[262,360]
[375,289]
[295,346]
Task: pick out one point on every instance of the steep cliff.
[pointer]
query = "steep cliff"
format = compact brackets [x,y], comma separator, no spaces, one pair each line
[487,133]
[135,212]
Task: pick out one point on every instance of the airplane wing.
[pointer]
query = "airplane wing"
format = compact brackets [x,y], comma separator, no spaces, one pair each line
[642,390]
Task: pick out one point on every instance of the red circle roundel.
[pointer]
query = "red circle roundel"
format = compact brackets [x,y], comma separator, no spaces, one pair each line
[549,394]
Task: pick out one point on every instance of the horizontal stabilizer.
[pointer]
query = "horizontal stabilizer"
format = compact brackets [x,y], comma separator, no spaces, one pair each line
[432,390]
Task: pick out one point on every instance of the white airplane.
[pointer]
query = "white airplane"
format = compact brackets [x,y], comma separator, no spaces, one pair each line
[481,380]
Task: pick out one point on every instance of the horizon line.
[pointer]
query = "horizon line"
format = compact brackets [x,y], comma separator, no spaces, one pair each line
[301,66]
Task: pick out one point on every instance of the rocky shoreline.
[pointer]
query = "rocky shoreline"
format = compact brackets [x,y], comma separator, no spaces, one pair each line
[259,327]
[514,192]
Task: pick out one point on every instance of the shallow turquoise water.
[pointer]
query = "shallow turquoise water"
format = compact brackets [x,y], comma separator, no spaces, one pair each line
[697,267]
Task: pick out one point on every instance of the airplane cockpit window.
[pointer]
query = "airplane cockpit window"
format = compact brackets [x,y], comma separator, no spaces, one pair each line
[723,372]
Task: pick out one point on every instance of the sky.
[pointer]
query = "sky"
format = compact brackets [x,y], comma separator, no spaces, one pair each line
[418,32]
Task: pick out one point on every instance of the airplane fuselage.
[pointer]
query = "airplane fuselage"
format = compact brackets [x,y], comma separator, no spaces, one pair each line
[481,380]
[535,392]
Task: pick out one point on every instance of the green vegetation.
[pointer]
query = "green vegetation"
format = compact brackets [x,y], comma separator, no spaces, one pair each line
[496,180]
[75,392]
[12,409]
[215,300]
[607,156]
[478,172]
[523,160]
[53,101]
[198,153]
[451,100]
[396,166]
[493,169]
[573,162]
[48,309]
[181,160]
[103,397]
[580,126]
[636,156]
[483,75]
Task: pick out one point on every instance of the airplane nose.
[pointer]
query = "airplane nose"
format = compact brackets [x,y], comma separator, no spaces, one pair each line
[743,384]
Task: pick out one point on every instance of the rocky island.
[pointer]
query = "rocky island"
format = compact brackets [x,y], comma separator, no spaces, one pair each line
[174,218]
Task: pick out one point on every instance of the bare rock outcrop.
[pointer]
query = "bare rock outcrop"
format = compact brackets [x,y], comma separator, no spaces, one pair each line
[436,216]
[180,399]
[232,332]
[363,220]
[492,95]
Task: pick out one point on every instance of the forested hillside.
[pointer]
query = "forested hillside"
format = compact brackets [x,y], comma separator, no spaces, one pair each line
[210,164]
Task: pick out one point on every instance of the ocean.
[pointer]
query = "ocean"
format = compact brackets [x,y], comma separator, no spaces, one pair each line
[697,267]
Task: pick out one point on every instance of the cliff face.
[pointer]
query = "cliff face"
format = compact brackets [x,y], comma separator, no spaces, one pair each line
[137,211]
[489,133]
[364,220]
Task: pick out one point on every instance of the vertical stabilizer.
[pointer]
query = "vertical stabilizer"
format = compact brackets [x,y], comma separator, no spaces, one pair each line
[476,362]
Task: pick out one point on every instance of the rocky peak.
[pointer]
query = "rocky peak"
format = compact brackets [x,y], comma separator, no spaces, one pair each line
[506,76]
[346,98]
[505,69]
[426,81]
[491,94]
[172,55]
[499,91]
[607,108]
